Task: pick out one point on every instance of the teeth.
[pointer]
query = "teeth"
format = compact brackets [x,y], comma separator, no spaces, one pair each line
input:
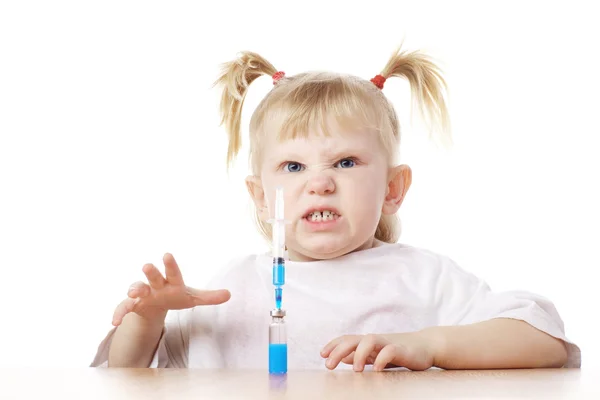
[318,216]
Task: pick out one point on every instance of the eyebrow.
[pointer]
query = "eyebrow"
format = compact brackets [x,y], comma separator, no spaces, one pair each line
[330,154]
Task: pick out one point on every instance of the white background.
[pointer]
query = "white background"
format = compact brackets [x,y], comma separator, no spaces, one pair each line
[111,153]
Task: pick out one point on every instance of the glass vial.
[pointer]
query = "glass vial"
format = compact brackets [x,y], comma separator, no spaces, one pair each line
[277,343]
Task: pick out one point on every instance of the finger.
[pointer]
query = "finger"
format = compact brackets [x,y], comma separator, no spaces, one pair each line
[344,349]
[138,289]
[209,297]
[349,359]
[155,278]
[364,349]
[332,345]
[388,354]
[125,307]
[172,271]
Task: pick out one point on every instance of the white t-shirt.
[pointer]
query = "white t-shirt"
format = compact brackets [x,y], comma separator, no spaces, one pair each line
[393,288]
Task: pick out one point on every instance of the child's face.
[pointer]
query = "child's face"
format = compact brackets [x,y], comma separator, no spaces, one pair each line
[346,177]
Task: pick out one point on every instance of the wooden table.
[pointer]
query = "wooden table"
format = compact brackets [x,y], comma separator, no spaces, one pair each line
[148,384]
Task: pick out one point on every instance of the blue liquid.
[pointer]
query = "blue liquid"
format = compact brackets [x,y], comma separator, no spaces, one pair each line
[277,358]
[278,274]
[278,298]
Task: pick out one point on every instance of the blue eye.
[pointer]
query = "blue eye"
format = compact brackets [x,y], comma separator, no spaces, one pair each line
[347,163]
[293,167]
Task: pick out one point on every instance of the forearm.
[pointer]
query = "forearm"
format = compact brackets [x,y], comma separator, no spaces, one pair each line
[497,343]
[135,341]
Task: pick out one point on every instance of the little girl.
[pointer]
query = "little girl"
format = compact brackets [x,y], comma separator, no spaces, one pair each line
[354,296]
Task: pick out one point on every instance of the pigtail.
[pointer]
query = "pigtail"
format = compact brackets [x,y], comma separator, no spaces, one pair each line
[235,78]
[427,88]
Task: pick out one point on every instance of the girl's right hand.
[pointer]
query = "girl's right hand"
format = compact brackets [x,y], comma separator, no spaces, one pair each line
[152,301]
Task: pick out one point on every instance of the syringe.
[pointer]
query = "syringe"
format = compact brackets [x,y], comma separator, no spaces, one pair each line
[278,247]
[277,328]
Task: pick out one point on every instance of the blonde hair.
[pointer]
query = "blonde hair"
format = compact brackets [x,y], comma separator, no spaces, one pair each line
[304,103]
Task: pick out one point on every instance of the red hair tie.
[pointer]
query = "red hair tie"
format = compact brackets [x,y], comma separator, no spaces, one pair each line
[378,80]
[277,76]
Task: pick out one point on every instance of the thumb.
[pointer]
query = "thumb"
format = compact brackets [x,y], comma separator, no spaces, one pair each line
[209,297]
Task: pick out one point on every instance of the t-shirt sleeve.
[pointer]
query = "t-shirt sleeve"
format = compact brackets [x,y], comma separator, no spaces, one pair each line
[468,300]
[172,349]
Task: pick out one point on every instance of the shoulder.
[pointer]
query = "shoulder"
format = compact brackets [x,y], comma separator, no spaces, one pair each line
[426,262]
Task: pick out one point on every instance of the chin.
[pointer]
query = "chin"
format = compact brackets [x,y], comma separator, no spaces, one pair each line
[322,247]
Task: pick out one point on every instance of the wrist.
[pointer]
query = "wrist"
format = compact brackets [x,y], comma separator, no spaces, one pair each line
[436,341]
[148,321]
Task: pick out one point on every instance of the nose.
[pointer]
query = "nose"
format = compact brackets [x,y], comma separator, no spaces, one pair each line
[321,184]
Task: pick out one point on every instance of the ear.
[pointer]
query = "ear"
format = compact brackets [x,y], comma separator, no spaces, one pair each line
[400,178]
[257,193]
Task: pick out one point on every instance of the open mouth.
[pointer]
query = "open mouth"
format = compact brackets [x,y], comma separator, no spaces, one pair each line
[322,215]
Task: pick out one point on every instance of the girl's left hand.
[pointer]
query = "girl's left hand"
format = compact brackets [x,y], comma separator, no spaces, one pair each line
[410,350]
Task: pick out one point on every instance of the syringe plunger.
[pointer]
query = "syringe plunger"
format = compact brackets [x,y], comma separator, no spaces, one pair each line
[279,225]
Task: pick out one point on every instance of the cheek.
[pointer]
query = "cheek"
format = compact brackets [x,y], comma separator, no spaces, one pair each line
[290,191]
[367,194]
